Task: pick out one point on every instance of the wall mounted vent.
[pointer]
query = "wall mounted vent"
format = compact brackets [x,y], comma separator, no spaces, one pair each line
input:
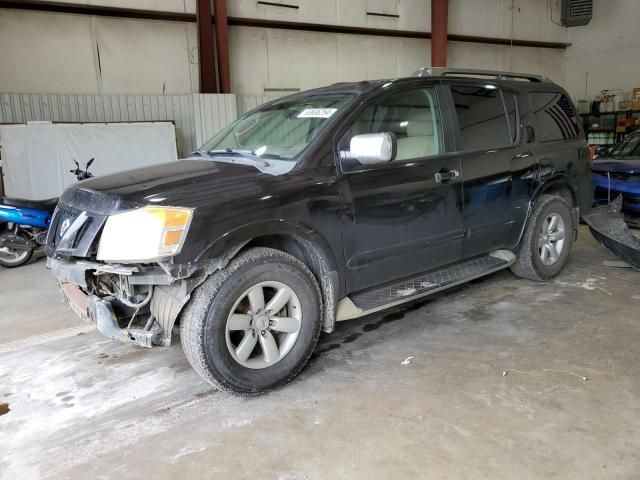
[576,12]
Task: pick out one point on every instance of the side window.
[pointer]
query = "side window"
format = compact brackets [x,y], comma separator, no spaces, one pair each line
[554,115]
[481,117]
[411,115]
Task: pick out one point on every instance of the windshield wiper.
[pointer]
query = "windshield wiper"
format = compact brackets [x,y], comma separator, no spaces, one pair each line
[245,153]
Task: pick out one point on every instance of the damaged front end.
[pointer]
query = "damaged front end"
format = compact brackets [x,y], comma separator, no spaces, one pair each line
[131,304]
[607,225]
[134,302]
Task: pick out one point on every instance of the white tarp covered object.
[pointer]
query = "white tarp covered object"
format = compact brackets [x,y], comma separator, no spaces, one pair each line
[37,157]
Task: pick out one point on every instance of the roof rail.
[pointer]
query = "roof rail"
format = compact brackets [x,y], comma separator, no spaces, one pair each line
[444,71]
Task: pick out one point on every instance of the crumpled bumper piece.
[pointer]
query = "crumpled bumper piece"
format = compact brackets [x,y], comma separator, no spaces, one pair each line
[100,312]
[107,324]
[607,225]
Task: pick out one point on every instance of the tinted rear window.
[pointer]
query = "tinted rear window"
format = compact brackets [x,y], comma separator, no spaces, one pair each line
[555,117]
[481,117]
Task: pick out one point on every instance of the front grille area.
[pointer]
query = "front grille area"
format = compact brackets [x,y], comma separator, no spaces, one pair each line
[59,224]
[83,242]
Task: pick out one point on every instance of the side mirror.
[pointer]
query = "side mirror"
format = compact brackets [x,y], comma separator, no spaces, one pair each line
[529,134]
[373,148]
[602,152]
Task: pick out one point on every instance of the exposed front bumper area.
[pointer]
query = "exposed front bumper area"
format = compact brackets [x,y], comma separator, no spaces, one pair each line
[106,322]
[100,312]
[151,324]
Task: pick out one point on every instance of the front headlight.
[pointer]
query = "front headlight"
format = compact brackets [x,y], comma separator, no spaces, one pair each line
[144,235]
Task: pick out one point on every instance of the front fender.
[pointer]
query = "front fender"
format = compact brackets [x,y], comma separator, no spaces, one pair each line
[316,250]
[230,242]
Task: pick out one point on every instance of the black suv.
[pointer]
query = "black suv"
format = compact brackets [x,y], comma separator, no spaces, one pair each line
[324,206]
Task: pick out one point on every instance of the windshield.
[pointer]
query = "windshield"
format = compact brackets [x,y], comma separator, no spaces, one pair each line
[629,147]
[281,130]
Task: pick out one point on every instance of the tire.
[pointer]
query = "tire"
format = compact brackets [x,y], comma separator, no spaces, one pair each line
[16,259]
[211,345]
[530,262]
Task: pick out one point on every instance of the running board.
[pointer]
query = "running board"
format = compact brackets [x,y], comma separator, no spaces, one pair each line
[376,299]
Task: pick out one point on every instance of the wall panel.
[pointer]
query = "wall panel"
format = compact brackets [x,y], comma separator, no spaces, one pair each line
[42,50]
[604,54]
[59,53]
[180,6]
[196,117]
[71,54]
[300,59]
[248,59]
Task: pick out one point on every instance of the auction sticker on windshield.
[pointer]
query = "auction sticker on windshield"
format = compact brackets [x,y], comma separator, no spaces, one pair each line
[317,112]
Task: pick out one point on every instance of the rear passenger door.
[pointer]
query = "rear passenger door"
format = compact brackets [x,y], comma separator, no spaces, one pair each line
[487,131]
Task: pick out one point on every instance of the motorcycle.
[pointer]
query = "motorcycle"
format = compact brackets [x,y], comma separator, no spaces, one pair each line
[24,224]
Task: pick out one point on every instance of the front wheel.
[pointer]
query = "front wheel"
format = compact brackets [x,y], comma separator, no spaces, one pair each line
[10,257]
[251,327]
[547,239]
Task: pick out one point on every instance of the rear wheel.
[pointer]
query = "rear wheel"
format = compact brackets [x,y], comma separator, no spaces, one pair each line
[251,327]
[547,239]
[10,257]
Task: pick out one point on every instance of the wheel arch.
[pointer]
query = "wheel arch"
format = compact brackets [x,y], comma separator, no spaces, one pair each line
[299,240]
[561,185]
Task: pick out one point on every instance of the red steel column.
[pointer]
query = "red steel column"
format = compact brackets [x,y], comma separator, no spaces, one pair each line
[439,24]
[205,48]
[222,44]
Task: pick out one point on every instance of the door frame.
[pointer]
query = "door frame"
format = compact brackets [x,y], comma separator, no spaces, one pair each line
[447,143]
[516,146]
[456,133]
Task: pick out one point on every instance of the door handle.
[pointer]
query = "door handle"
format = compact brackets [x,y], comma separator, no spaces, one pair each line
[445,176]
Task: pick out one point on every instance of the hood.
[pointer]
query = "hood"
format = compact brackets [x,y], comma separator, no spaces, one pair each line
[608,164]
[188,183]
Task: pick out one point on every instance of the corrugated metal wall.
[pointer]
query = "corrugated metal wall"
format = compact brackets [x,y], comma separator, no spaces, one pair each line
[211,114]
[249,102]
[196,117]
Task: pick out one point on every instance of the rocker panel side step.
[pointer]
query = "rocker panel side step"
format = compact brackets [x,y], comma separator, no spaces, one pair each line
[405,290]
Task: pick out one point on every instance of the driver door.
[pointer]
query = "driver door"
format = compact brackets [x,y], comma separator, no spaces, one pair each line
[402,217]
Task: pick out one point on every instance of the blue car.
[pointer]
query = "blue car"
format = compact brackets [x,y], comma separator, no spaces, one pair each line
[617,172]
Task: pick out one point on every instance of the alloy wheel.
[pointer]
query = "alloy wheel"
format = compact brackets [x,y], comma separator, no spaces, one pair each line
[551,239]
[263,325]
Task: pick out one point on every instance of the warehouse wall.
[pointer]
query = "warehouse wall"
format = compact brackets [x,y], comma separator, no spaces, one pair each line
[279,59]
[58,53]
[264,60]
[196,117]
[180,6]
[606,49]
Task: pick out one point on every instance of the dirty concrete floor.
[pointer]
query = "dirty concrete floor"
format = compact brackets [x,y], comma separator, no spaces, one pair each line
[74,405]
